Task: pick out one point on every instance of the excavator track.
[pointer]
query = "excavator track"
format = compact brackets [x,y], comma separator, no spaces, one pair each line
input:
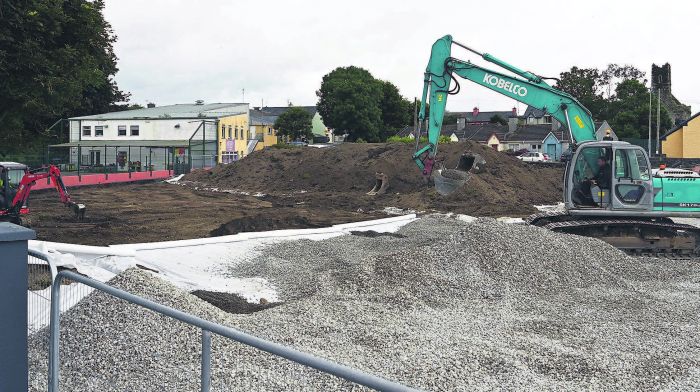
[636,236]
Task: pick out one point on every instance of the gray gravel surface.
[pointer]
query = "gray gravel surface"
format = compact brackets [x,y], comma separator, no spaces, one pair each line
[447,306]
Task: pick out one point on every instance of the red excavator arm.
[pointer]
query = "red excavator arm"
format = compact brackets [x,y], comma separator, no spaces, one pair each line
[28,181]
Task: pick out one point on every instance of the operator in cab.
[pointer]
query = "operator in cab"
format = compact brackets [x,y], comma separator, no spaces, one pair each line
[603,178]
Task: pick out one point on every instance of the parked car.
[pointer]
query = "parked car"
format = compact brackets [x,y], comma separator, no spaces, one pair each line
[517,153]
[533,157]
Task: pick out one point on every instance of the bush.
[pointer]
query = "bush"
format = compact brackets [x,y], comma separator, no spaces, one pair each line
[282,146]
[360,140]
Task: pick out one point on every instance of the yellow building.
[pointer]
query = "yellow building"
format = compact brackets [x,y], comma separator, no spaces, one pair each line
[684,140]
[261,129]
[233,137]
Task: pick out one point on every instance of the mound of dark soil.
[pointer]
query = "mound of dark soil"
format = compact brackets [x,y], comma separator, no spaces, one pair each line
[505,186]
[232,303]
[263,223]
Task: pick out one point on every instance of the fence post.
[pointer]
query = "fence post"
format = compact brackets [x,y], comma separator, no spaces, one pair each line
[14,374]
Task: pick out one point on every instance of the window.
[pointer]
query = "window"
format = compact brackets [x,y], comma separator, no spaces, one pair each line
[631,164]
[223,131]
[121,130]
[87,130]
[533,146]
[134,130]
[99,131]
[643,165]
[236,132]
[229,132]
[269,131]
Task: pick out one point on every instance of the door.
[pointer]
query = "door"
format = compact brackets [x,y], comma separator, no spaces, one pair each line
[631,182]
[584,173]
[94,157]
[552,151]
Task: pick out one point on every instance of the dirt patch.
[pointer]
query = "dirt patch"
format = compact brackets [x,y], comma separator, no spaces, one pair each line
[233,303]
[135,213]
[303,187]
[263,223]
[506,186]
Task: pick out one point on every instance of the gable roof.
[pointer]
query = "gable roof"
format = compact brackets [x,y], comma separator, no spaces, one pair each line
[601,130]
[181,110]
[482,116]
[278,110]
[536,133]
[679,126]
[536,113]
[476,132]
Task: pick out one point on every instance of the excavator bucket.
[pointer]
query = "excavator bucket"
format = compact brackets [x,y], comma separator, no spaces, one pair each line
[449,180]
[381,184]
[79,210]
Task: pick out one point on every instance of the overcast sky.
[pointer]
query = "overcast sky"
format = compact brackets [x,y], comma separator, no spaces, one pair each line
[177,51]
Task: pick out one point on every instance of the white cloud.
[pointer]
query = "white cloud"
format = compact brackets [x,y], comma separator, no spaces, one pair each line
[179,51]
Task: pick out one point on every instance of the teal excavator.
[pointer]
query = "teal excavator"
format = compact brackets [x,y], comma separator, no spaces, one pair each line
[610,190]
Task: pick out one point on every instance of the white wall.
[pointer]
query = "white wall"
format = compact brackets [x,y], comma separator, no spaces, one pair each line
[164,129]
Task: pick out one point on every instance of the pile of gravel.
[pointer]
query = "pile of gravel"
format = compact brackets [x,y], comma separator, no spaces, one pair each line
[445,305]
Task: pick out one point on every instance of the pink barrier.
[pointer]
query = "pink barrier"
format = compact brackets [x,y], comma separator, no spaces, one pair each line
[110,178]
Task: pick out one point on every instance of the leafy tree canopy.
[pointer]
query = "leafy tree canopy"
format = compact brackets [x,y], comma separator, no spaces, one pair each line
[352,101]
[617,94]
[295,123]
[56,60]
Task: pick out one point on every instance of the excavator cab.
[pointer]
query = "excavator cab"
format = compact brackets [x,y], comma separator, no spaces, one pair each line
[610,176]
[11,174]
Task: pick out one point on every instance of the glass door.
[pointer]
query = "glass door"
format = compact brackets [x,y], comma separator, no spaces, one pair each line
[632,182]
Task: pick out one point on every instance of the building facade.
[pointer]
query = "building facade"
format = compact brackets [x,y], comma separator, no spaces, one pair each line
[152,138]
[233,137]
[683,141]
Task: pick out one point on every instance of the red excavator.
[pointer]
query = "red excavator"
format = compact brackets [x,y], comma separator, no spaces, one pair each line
[16,182]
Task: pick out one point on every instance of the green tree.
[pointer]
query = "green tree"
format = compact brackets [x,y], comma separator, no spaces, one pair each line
[614,74]
[56,60]
[496,119]
[630,111]
[295,123]
[395,110]
[349,101]
[585,85]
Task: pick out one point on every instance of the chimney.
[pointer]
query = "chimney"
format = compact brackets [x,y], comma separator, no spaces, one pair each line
[150,105]
[256,107]
[475,112]
[512,124]
[514,112]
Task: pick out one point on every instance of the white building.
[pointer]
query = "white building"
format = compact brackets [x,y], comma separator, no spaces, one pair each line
[149,138]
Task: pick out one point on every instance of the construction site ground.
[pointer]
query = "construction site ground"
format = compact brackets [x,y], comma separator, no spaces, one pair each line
[299,187]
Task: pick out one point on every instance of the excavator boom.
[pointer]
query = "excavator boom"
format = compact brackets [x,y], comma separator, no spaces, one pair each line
[525,87]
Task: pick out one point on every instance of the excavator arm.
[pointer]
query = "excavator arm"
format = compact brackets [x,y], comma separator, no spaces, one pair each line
[526,87]
[30,179]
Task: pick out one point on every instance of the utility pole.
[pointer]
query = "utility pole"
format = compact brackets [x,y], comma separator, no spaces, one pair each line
[658,121]
[649,141]
[243,91]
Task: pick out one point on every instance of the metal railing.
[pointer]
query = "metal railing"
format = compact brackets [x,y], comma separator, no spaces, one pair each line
[40,274]
[207,328]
